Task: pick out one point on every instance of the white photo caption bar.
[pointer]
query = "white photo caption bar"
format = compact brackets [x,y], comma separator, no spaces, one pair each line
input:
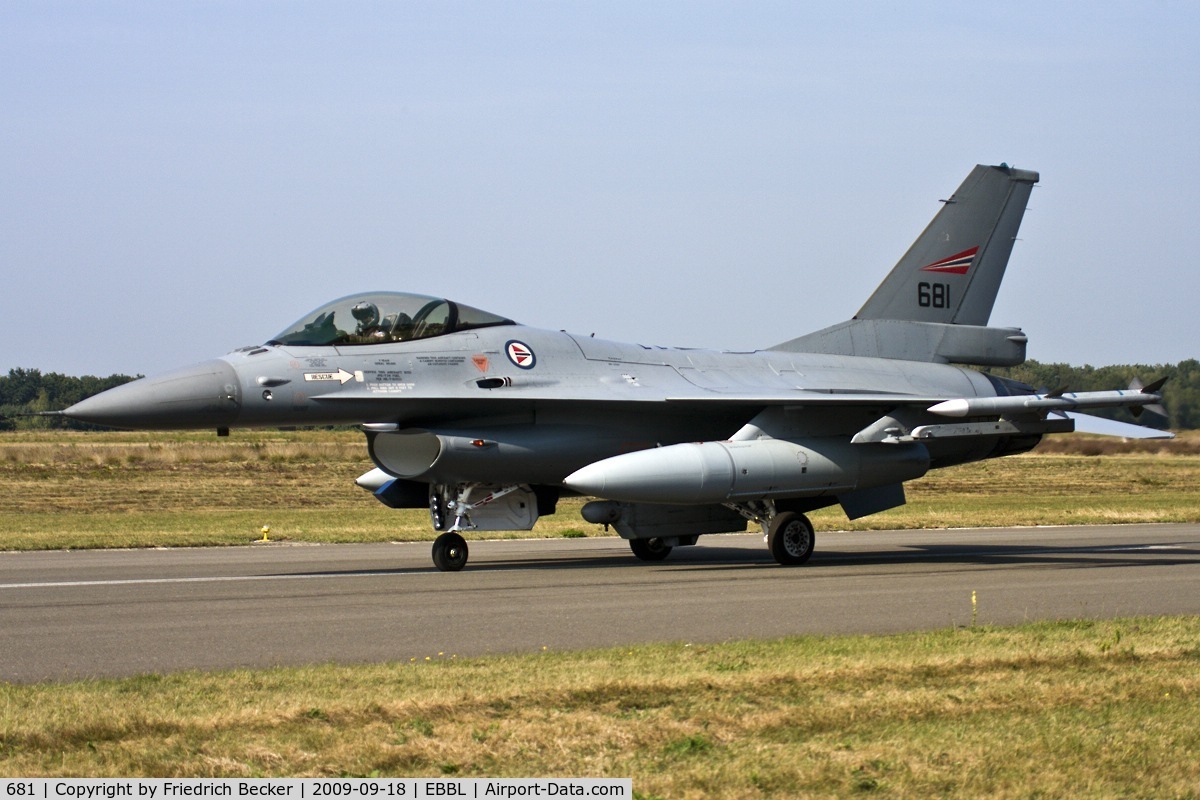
[310,788]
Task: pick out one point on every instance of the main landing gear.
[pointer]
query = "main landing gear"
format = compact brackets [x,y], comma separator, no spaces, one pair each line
[790,538]
[650,549]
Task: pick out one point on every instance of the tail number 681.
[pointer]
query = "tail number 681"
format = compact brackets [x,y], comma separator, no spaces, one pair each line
[933,295]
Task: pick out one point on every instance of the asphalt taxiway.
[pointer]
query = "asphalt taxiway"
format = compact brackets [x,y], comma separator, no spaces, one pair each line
[111,613]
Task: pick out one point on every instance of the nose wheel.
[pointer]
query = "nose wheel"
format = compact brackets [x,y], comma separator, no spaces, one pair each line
[450,552]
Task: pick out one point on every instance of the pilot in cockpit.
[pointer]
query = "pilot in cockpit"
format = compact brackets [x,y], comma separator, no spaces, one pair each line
[367,315]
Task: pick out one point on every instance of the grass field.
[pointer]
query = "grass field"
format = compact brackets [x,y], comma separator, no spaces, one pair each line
[1083,709]
[1086,709]
[72,490]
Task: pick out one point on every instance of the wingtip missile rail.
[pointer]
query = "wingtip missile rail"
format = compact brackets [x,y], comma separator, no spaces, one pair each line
[1136,398]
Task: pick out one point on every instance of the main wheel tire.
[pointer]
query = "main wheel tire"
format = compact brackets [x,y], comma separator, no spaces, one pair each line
[649,549]
[449,552]
[791,538]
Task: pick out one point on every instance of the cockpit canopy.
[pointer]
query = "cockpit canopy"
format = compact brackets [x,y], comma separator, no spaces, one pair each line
[382,317]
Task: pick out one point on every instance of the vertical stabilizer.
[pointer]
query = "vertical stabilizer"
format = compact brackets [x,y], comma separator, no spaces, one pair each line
[952,272]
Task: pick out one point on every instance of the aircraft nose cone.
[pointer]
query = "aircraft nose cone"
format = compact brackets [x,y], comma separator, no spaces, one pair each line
[205,395]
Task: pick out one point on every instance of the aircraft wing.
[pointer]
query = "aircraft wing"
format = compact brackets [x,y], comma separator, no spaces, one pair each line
[833,397]
[1017,412]
[550,392]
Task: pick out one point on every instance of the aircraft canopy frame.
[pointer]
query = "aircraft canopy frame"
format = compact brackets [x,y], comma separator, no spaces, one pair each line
[384,318]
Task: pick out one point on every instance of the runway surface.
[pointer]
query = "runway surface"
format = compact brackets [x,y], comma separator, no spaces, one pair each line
[116,613]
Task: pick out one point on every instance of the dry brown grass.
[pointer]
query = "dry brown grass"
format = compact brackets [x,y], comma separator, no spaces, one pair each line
[69,490]
[1185,443]
[147,489]
[1054,709]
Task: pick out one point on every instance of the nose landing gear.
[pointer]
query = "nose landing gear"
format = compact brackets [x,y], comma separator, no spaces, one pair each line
[450,552]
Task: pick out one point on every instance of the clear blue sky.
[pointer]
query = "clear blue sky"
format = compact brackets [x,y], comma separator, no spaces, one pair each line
[181,178]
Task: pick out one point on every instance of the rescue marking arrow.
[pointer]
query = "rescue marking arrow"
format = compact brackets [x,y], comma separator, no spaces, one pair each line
[341,376]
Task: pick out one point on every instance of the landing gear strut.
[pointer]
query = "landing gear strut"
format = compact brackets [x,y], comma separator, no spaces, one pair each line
[473,506]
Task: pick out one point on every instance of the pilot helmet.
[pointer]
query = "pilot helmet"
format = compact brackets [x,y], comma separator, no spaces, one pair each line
[366,313]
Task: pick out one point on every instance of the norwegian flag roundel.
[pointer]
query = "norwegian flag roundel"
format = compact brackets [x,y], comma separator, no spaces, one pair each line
[520,354]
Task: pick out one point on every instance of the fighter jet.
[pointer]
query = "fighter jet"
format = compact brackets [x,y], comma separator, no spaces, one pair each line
[488,423]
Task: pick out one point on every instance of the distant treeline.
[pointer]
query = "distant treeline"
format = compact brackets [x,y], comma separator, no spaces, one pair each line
[25,391]
[28,391]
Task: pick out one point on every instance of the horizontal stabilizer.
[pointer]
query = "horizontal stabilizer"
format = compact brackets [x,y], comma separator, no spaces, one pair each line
[1086,423]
